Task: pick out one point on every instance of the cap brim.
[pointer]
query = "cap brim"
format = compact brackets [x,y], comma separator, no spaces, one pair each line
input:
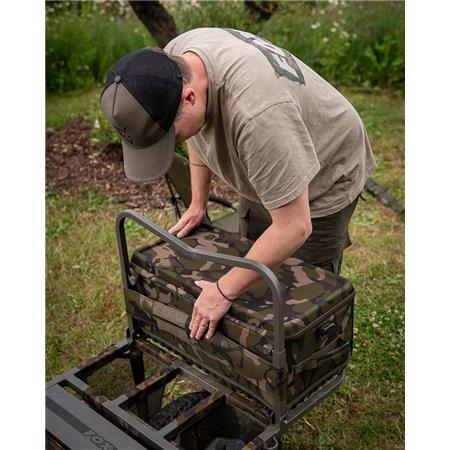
[150,163]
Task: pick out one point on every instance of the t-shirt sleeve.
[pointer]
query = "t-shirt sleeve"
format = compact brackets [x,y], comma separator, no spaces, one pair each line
[276,150]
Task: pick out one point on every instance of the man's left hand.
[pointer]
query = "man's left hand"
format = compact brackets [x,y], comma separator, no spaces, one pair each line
[209,308]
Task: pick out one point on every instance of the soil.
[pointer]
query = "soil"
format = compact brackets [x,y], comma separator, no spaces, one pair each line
[73,164]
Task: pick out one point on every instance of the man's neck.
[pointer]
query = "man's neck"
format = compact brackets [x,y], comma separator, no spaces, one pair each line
[199,73]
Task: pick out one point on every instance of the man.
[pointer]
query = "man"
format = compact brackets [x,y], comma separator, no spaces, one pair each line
[265,123]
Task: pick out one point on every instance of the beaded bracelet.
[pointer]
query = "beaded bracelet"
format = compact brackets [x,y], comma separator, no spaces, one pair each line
[222,294]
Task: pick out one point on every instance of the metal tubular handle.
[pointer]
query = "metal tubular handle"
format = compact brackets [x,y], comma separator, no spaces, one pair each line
[180,247]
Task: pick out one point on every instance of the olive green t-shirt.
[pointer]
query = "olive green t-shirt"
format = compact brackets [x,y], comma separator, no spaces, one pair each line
[273,126]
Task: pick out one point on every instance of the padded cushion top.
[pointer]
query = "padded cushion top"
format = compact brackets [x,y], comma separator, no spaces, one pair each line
[308,291]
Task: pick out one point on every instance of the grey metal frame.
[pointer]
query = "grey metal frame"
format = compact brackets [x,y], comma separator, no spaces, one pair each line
[181,248]
[61,410]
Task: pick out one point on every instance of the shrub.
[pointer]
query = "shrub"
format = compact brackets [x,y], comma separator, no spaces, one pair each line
[222,14]
[83,40]
[354,43]
[349,43]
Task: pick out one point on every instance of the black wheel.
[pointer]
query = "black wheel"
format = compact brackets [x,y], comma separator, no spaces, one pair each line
[176,408]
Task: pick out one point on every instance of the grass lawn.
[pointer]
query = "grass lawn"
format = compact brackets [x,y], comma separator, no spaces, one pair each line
[62,108]
[85,310]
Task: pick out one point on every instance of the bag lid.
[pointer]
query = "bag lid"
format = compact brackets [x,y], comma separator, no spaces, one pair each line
[308,291]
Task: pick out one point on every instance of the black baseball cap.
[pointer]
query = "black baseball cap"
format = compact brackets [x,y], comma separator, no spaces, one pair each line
[141,99]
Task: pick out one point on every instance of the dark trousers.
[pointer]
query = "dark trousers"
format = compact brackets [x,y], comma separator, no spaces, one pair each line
[324,247]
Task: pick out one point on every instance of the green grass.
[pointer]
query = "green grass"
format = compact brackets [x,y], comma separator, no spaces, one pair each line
[383,116]
[367,412]
[85,310]
[84,307]
[61,109]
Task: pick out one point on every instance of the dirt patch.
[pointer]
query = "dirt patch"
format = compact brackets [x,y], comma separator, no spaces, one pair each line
[72,164]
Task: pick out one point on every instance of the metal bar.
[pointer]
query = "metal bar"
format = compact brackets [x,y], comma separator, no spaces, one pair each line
[173,200]
[152,350]
[77,384]
[88,366]
[61,378]
[317,397]
[192,415]
[270,432]
[136,426]
[256,410]
[79,427]
[180,247]
[137,368]
[151,384]
[206,381]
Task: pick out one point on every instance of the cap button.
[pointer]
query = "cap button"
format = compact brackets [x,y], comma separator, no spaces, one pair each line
[117,78]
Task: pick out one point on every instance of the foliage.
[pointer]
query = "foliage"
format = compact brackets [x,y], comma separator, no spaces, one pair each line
[358,43]
[222,14]
[83,41]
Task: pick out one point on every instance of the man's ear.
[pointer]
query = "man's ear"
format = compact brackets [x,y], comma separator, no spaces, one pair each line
[189,95]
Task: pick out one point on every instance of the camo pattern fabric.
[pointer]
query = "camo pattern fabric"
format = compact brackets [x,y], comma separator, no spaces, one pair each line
[231,361]
[227,358]
[252,338]
[257,340]
[223,360]
[308,291]
[318,307]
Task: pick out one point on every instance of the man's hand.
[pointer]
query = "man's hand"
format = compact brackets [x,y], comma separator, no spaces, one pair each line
[189,221]
[209,308]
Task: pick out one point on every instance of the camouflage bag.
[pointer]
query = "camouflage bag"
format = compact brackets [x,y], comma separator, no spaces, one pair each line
[318,317]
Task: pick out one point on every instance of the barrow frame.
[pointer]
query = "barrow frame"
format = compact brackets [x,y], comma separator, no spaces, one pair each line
[125,424]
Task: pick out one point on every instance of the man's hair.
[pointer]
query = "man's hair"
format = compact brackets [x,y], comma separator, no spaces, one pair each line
[184,69]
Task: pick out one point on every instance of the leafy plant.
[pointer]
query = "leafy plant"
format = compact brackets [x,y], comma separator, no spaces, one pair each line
[348,43]
[82,43]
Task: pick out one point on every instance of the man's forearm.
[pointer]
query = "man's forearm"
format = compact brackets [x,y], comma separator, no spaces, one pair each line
[275,245]
[200,180]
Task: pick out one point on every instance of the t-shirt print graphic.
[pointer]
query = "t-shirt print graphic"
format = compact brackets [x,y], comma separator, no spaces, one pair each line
[282,62]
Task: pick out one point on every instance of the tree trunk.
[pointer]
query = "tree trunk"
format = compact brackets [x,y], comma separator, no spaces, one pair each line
[261,10]
[157,20]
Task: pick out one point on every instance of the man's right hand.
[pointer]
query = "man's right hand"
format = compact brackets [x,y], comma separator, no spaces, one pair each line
[189,221]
